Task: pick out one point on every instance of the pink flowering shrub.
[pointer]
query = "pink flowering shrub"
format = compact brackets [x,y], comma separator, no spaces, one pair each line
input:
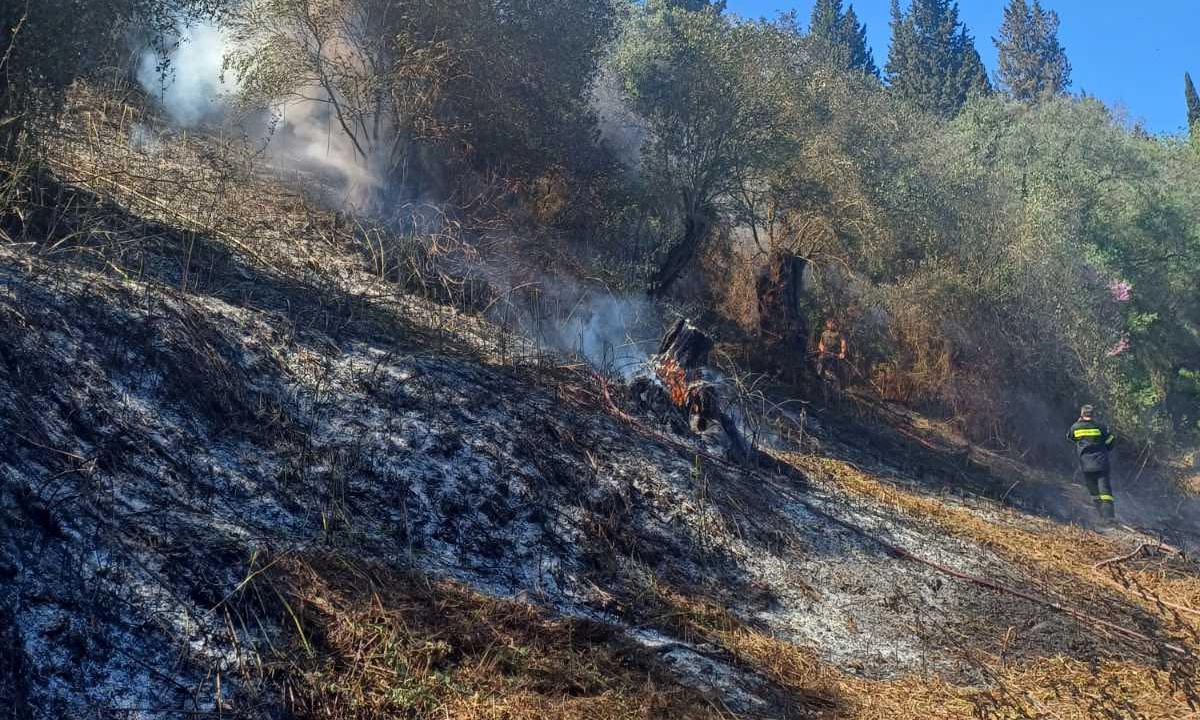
[1121,291]
[1119,348]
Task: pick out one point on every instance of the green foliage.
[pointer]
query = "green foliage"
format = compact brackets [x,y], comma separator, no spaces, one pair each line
[717,6]
[1033,65]
[1077,202]
[845,35]
[523,77]
[1006,266]
[711,93]
[933,62]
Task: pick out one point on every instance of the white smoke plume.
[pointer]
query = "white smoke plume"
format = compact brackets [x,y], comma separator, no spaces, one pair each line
[611,332]
[620,128]
[190,85]
[308,138]
[299,134]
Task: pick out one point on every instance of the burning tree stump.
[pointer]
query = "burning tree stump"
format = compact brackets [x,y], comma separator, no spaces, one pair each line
[686,345]
[679,369]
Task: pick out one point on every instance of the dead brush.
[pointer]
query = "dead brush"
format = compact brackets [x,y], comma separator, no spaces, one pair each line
[1062,560]
[363,641]
[764,419]
[428,254]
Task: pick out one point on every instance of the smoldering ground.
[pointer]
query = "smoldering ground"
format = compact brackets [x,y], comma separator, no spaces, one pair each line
[613,331]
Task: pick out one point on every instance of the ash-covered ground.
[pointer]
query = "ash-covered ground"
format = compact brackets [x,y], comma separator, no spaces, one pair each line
[157,444]
[179,410]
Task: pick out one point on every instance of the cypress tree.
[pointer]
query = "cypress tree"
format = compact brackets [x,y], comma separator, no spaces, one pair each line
[1017,65]
[854,37]
[902,52]
[1033,65]
[1193,106]
[844,33]
[933,61]
[1056,68]
[972,77]
[826,20]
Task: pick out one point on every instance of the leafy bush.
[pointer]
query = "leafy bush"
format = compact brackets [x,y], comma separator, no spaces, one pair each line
[1028,258]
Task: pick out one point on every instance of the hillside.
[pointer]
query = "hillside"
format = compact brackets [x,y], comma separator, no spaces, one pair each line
[244,476]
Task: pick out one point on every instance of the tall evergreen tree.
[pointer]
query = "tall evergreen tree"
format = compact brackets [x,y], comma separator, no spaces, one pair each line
[854,37]
[826,20]
[1033,65]
[1017,69]
[1056,68]
[844,33]
[933,61]
[1193,106]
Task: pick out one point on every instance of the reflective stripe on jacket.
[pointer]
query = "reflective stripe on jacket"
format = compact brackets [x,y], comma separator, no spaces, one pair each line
[1093,442]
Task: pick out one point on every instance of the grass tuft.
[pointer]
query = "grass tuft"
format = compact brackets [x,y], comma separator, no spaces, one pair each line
[365,642]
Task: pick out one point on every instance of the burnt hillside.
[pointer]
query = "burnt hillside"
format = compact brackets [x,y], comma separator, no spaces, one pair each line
[245,476]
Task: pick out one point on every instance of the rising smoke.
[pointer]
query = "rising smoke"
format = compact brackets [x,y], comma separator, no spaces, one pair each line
[621,130]
[193,87]
[605,329]
[301,135]
[190,84]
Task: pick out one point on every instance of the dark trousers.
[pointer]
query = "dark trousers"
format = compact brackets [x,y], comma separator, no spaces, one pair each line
[828,362]
[1100,488]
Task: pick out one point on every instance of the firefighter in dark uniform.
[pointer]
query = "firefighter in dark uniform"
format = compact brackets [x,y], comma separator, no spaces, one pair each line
[1094,442]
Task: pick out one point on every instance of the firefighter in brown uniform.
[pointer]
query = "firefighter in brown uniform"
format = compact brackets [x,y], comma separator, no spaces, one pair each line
[1094,442]
[831,354]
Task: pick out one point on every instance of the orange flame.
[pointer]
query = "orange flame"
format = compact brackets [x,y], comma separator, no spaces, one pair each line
[675,379]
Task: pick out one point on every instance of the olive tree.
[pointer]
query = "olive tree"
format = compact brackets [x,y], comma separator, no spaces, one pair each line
[711,92]
[499,84]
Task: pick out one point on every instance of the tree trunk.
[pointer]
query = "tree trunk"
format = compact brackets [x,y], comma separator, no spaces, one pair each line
[781,324]
[680,256]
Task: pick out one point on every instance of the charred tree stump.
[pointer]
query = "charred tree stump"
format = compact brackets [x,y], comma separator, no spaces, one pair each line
[679,368]
[688,346]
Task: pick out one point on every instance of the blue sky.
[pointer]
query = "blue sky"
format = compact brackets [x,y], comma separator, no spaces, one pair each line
[1129,54]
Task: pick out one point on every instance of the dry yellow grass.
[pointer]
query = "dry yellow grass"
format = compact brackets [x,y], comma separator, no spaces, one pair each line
[367,642]
[1064,556]
[789,666]
[1050,688]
